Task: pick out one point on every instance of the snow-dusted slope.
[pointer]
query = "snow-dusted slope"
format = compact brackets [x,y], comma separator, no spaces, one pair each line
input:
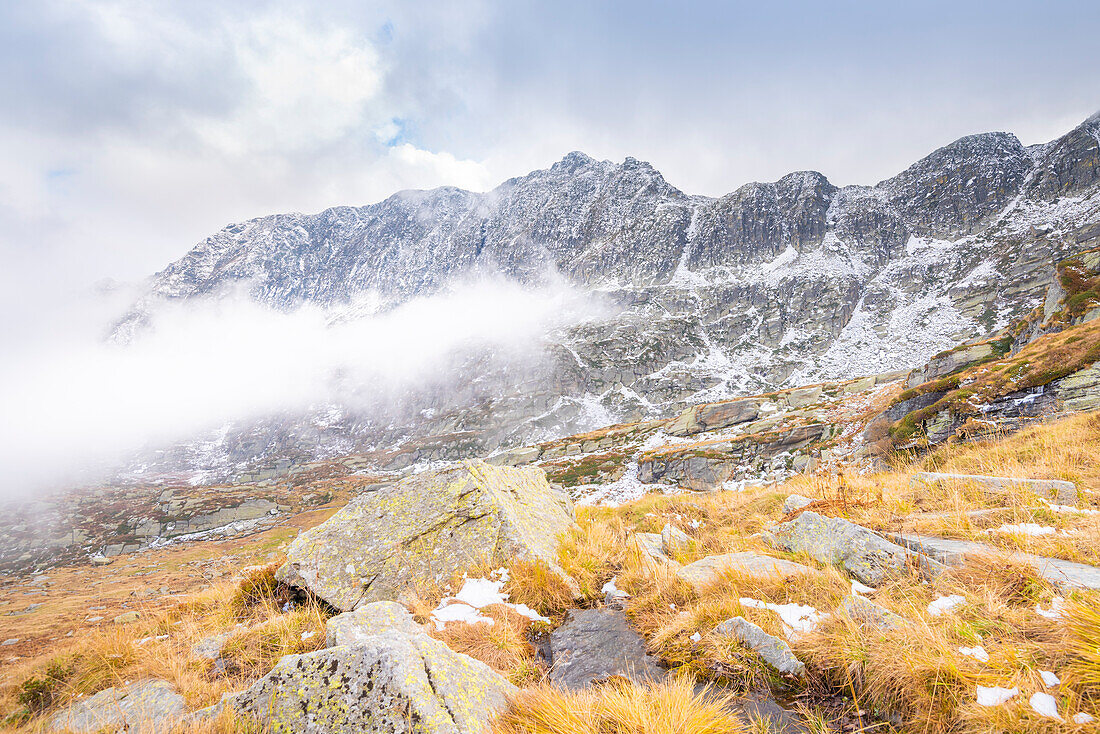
[775,284]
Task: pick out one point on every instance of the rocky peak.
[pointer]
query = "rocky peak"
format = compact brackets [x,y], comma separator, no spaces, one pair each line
[954,189]
[1069,164]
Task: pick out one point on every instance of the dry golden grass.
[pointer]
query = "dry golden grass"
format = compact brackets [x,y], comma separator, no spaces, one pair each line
[1083,621]
[619,707]
[160,646]
[503,645]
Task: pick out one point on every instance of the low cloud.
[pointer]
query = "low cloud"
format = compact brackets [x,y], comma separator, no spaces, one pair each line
[77,406]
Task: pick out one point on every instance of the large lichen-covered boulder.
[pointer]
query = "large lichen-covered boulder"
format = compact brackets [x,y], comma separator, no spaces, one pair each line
[868,557]
[144,706]
[388,683]
[427,527]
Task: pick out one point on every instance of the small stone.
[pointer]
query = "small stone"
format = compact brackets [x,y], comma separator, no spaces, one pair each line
[772,650]
[674,541]
[795,502]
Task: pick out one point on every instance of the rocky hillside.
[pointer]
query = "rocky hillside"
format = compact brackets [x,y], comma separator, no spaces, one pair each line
[772,286]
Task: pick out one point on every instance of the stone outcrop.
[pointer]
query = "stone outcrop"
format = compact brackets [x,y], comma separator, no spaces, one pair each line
[709,570]
[144,707]
[1058,491]
[368,620]
[772,650]
[1066,574]
[865,555]
[596,644]
[426,528]
[391,682]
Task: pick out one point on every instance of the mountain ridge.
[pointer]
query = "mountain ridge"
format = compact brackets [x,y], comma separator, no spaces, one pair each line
[770,286]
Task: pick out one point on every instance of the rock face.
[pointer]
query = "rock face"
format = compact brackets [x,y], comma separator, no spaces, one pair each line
[146,706]
[389,683]
[772,650]
[425,528]
[781,283]
[865,555]
[595,644]
[368,620]
[709,570]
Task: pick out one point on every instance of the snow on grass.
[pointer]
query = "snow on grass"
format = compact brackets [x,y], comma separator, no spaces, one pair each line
[1056,611]
[1045,705]
[1024,528]
[978,653]
[858,588]
[797,618]
[1049,678]
[945,604]
[476,594]
[995,695]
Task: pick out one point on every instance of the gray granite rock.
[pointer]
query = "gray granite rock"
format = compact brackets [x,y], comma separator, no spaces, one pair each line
[427,527]
[380,684]
[595,644]
[864,554]
[706,571]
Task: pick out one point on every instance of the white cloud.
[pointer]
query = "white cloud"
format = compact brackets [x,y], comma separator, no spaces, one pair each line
[306,86]
[78,403]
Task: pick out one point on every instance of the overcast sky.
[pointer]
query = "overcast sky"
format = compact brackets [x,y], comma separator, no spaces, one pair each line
[130,130]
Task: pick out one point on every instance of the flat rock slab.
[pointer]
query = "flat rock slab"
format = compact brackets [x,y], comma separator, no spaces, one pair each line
[596,644]
[145,706]
[864,554]
[953,553]
[707,571]
[1057,490]
[368,620]
[380,684]
[772,650]
[426,528]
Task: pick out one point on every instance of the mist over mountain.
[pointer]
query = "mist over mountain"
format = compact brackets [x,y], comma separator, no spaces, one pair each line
[772,285]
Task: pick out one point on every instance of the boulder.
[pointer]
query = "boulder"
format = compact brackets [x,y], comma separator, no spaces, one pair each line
[144,706]
[381,684]
[707,571]
[868,614]
[427,527]
[368,620]
[772,650]
[596,644]
[868,557]
[712,416]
